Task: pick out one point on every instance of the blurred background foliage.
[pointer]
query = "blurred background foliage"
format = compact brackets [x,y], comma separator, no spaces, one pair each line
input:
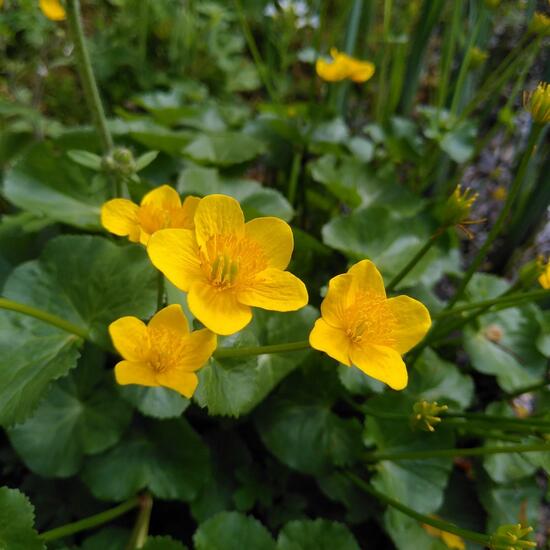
[227,94]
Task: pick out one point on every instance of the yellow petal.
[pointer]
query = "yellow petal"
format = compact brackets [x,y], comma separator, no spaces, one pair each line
[199,347]
[134,372]
[275,290]
[175,253]
[171,319]
[366,279]
[337,300]
[183,382]
[544,279]
[361,71]
[164,197]
[119,216]
[382,363]
[412,322]
[129,336]
[218,215]
[52,9]
[332,341]
[185,216]
[330,71]
[218,310]
[274,237]
[452,541]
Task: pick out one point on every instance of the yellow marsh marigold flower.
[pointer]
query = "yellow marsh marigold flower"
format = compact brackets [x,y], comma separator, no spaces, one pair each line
[53,10]
[360,326]
[161,208]
[227,266]
[452,541]
[544,278]
[537,102]
[163,353]
[343,66]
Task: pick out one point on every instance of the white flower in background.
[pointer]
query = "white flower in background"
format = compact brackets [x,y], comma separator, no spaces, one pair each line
[298,9]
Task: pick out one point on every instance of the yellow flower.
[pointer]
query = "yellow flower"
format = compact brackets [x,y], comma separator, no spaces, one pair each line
[52,9]
[163,353]
[343,66]
[159,209]
[451,540]
[227,266]
[544,278]
[360,326]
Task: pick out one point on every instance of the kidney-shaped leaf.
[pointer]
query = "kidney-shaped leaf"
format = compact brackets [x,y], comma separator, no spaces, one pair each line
[17,530]
[319,534]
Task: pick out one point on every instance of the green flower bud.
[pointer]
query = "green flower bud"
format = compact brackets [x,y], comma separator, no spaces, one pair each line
[540,24]
[509,537]
[456,211]
[537,102]
[426,415]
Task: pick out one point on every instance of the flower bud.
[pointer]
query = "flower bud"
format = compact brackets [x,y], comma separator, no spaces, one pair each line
[121,162]
[537,102]
[426,415]
[456,211]
[477,57]
[540,24]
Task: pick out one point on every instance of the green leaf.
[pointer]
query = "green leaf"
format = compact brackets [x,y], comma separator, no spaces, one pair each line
[72,421]
[418,484]
[232,531]
[298,426]
[356,184]
[156,402]
[319,534]
[223,148]
[434,379]
[165,456]
[390,241]
[46,182]
[459,143]
[17,522]
[110,538]
[144,160]
[408,534]
[255,199]
[163,543]
[86,159]
[503,345]
[233,387]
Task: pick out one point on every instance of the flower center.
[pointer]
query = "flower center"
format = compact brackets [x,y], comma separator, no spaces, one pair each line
[228,261]
[369,320]
[165,350]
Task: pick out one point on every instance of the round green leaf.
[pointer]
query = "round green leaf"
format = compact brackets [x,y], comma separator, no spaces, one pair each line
[17,530]
[167,457]
[70,422]
[319,534]
[232,531]
[155,402]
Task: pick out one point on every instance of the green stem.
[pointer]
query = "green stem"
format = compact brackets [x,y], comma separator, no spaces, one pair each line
[386,57]
[44,316]
[294,175]
[414,260]
[497,227]
[495,418]
[91,522]
[160,290]
[507,301]
[222,353]
[256,56]
[84,66]
[450,453]
[528,389]
[141,527]
[421,518]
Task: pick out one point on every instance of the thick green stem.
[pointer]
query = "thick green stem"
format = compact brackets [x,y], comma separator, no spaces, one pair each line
[376,456]
[222,353]
[382,95]
[528,389]
[141,527]
[44,316]
[497,227]
[87,77]
[160,290]
[414,260]
[294,176]
[421,518]
[91,522]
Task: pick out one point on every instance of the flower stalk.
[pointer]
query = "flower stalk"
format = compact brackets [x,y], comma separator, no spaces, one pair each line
[230,353]
[90,522]
[42,315]
[141,527]
[84,65]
